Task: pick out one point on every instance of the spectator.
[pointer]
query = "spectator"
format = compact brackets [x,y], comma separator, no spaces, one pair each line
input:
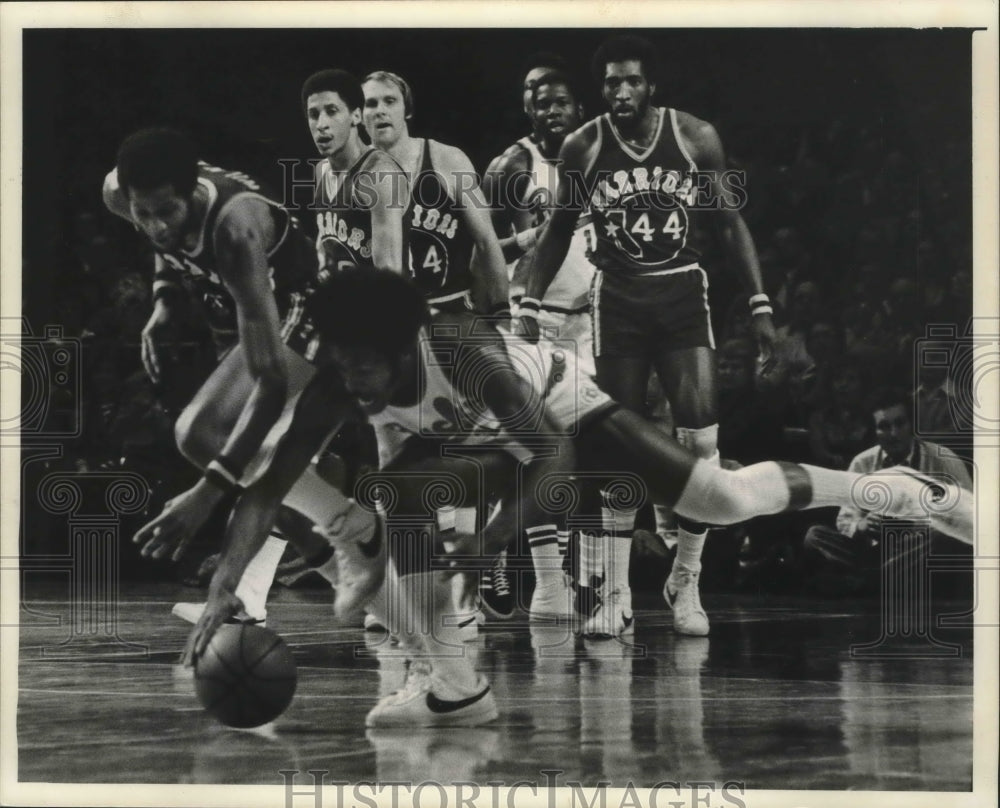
[852,552]
[842,427]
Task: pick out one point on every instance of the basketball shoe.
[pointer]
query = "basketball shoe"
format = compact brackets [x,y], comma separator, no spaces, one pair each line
[681,594]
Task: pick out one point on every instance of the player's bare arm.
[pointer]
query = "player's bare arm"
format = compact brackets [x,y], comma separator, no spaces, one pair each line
[241,240]
[386,188]
[321,408]
[706,148]
[491,378]
[575,158]
[116,202]
[489,272]
[505,184]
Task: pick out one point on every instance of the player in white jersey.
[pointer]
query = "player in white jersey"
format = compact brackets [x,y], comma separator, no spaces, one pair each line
[522,183]
[467,387]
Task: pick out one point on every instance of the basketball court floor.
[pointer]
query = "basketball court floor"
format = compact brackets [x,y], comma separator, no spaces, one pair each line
[787,693]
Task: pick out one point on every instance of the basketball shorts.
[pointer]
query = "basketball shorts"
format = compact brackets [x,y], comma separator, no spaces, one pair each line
[640,316]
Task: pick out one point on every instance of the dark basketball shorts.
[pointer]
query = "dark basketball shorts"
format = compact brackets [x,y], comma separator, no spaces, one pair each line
[643,315]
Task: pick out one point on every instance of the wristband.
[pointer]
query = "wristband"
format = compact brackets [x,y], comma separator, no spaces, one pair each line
[527,239]
[219,476]
[529,307]
[759,299]
[761,310]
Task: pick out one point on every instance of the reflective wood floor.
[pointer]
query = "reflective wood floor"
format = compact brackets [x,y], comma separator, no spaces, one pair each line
[775,698]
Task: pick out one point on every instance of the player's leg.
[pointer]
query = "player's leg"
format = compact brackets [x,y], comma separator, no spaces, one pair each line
[201,432]
[548,541]
[688,377]
[702,491]
[604,555]
[448,690]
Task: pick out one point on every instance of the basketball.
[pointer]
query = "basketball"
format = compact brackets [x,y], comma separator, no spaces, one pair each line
[246,677]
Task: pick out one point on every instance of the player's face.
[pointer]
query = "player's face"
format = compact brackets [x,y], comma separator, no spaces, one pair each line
[385,113]
[626,91]
[371,378]
[161,214]
[556,111]
[331,122]
[530,80]
[894,430]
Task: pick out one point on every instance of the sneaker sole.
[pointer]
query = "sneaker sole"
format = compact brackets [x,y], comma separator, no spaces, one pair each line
[481,713]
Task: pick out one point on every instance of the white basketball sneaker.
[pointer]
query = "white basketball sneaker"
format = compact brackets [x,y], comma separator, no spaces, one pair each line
[681,594]
[429,701]
[553,598]
[613,617]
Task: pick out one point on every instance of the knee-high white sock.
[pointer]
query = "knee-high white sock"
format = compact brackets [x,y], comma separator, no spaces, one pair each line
[546,557]
[562,539]
[618,526]
[591,556]
[690,544]
[258,577]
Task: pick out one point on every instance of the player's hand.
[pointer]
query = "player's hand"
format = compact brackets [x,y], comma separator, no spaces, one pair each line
[767,341]
[171,531]
[150,353]
[526,328]
[221,605]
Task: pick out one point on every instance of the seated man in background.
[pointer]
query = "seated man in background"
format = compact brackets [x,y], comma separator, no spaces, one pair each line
[854,548]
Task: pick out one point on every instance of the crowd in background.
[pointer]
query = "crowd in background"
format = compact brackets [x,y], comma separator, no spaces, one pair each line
[863,241]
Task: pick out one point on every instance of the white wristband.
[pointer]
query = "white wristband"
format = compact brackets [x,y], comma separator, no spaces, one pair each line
[761,298]
[761,310]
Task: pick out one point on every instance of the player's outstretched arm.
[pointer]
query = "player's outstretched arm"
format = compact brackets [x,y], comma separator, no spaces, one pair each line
[737,242]
[522,414]
[320,410]
[489,272]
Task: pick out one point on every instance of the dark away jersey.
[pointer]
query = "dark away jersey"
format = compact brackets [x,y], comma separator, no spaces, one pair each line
[640,200]
[440,246]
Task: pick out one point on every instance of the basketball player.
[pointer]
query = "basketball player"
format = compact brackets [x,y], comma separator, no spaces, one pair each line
[521,184]
[643,171]
[382,360]
[361,192]
[246,257]
[453,254]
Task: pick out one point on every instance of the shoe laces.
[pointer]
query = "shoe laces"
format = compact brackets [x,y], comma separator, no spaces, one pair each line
[685,584]
[501,585]
[418,677]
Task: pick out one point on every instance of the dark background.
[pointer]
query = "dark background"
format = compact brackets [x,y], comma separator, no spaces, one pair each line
[856,143]
[238,91]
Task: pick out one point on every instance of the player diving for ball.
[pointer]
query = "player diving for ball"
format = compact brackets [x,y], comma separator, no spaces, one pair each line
[460,385]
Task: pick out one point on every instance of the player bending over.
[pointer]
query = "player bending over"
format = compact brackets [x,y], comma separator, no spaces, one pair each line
[469,385]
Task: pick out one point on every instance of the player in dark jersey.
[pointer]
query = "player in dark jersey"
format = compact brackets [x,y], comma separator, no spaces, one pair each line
[361,192]
[453,254]
[244,253]
[640,168]
[454,257]
[385,362]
